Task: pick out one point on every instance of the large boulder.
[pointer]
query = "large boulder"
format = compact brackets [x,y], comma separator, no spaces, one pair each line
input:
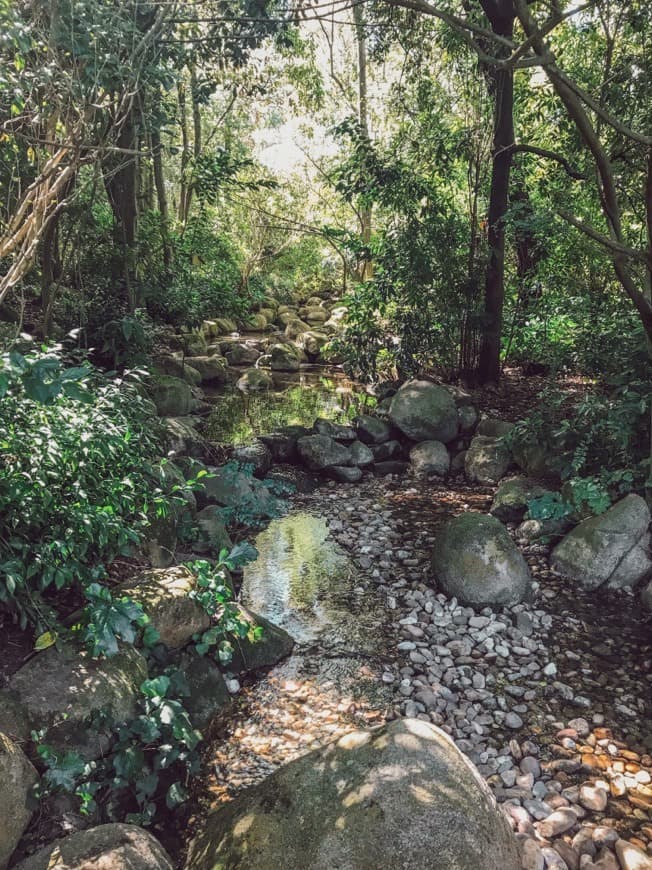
[492,427]
[225,486]
[106,847]
[430,457]
[486,460]
[361,455]
[212,369]
[164,596]
[172,396]
[59,689]
[17,778]
[475,560]
[321,451]
[512,497]
[424,412]
[312,343]
[612,549]
[399,797]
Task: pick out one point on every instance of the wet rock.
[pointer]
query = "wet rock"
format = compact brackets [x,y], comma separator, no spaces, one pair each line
[241,354]
[608,550]
[424,411]
[212,369]
[257,455]
[403,795]
[320,451]
[164,596]
[114,847]
[475,559]
[255,380]
[430,457]
[486,460]
[60,688]
[512,497]
[293,479]
[17,778]
[226,486]
[312,343]
[371,430]
[285,358]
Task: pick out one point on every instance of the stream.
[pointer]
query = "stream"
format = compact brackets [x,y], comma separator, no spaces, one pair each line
[347,573]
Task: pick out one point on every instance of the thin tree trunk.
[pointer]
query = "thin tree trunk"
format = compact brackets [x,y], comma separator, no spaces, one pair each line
[365,211]
[185,153]
[161,193]
[121,182]
[501,17]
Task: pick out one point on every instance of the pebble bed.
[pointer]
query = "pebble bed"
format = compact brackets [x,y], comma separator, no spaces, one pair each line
[550,698]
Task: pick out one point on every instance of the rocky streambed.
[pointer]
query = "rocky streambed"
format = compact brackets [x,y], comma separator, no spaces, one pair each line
[549,698]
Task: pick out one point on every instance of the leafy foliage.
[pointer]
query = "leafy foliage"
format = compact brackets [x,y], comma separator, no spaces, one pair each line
[78,484]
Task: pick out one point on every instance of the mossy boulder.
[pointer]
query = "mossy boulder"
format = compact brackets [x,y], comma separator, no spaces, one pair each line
[17,779]
[257,455]
[211,523]
[402,796]
[59,689]
[285,358]
[424,411]
[212,369]
[106,847]
[172,396]
[372,430]
[612,549]
[164,595]
[475,560]
[241,354]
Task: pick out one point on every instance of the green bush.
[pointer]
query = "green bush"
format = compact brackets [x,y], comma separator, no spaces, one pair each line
[77,482]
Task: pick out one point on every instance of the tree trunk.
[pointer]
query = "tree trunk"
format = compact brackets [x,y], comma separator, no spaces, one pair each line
[161,193]
[365,211]
[501,17]
[185,154]
[121,182]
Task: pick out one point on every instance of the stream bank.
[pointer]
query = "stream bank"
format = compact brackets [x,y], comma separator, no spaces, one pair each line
[559,704]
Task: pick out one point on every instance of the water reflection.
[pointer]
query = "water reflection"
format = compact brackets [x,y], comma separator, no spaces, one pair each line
[296,399]
[297,576]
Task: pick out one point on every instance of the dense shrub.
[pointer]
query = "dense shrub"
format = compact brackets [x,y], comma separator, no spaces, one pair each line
[76,478]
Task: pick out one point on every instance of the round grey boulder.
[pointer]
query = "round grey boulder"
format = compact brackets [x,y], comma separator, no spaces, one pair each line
[512,498]
[424,412]
[486,460]
[475,560]
[371,430]
[430,457]
[400,797]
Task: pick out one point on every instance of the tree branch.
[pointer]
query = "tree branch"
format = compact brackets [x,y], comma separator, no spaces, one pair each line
[549,155]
